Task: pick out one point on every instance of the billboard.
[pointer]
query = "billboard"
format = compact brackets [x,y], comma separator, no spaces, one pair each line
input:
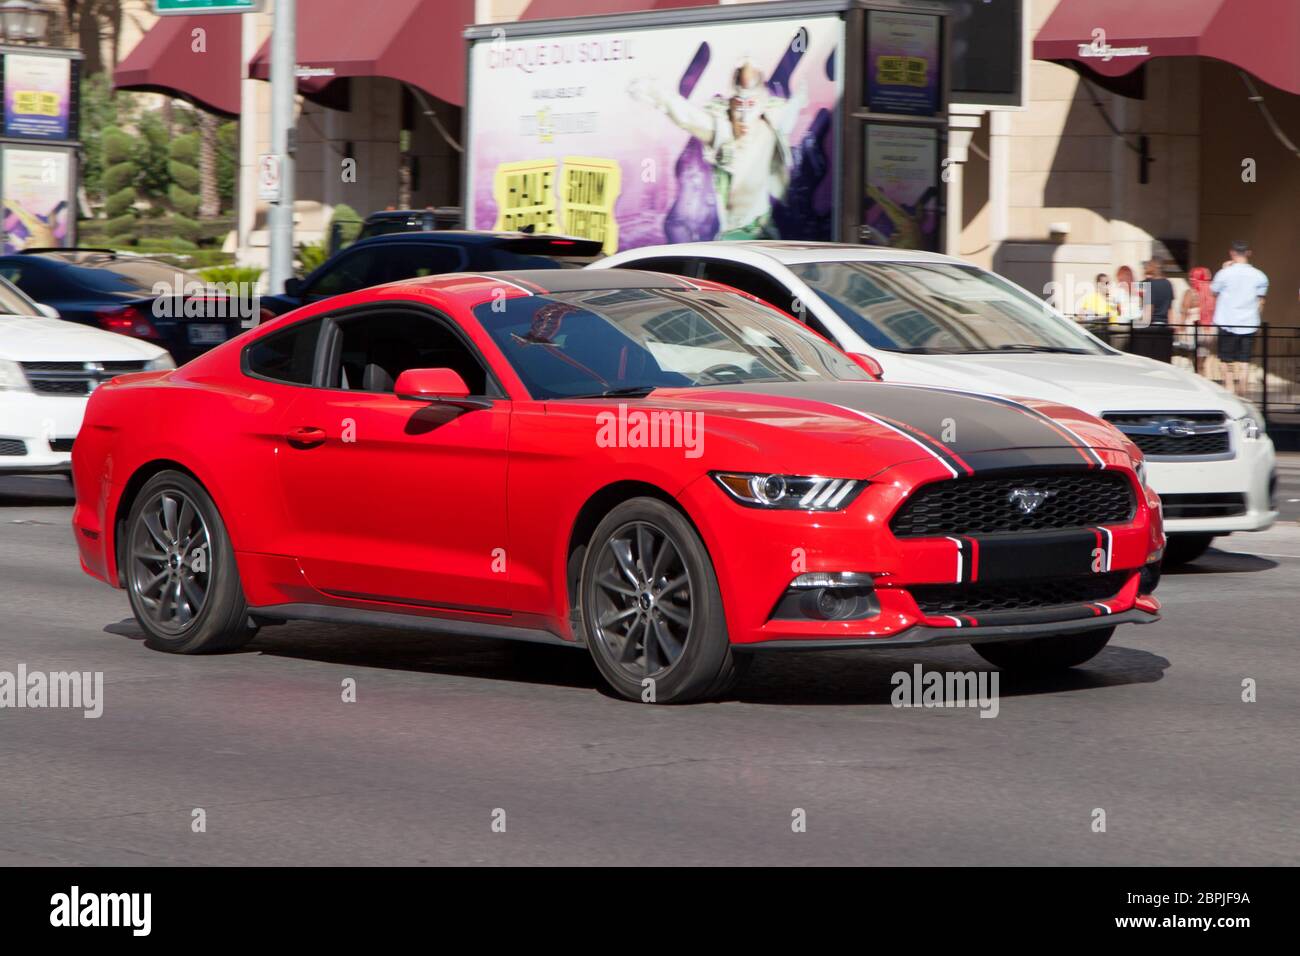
[38,97]
[901,196]
[903,63]
[650,135]
[37,185]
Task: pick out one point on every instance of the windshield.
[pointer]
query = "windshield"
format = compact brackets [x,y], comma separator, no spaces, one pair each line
[938,307]
[136,276]
[630,341]
[14,302]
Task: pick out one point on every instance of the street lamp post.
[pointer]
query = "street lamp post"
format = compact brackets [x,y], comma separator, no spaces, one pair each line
[25,21]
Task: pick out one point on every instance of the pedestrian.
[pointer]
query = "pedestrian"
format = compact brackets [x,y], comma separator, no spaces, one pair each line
[1198,317]
[1156,339]
[1096,308]
[1240,290]
[1126,298]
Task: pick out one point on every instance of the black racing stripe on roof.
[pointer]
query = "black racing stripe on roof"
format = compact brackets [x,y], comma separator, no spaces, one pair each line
[591,280]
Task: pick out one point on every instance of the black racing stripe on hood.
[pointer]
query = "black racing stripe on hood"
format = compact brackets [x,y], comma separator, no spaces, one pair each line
[973,422]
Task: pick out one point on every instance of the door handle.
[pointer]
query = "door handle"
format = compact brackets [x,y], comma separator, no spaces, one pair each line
[306,436]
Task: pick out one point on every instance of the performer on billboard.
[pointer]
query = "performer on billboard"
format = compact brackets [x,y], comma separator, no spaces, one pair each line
[746,138]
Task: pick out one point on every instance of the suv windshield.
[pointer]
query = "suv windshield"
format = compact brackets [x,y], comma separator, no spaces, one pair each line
[939,307]
[630,341]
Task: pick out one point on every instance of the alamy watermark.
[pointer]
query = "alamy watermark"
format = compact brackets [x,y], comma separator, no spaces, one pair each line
[72,690]
[656,428]
[921,688]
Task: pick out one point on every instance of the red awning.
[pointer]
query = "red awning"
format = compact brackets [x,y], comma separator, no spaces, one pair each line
[166,61]
[546,9]
[1115,37]
[418,42]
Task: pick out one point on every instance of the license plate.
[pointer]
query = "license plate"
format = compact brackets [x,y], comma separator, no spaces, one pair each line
[207,334]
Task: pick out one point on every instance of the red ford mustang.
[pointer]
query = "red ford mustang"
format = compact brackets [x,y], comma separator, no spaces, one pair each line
[665,471]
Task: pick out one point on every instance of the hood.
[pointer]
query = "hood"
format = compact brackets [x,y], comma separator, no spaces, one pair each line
[1095,383]
[40,339]
[827,421]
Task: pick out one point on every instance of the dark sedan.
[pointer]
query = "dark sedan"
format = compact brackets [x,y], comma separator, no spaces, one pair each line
[133,295]
[411,255]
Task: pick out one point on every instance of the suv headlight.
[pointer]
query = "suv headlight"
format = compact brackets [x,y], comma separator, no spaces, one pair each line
[12,377]
[1140,466]
[1252,423]
[789,492]
[159,364]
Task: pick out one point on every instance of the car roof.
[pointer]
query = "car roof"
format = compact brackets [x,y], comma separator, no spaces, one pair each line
[789,251]
[463,236]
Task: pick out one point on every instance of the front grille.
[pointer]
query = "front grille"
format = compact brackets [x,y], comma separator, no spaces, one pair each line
[966,506]
[1223,505]
[61,444]
[74,378]
[936,599]
[1176,434]
[12,447]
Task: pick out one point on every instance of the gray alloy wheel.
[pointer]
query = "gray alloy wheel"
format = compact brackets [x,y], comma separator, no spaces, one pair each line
[170,561]
[178,566]
[651,609]
[642,611]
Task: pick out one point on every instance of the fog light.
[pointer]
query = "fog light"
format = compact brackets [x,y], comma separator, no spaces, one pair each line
[828,596]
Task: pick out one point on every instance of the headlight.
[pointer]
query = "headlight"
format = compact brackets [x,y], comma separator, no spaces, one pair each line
[1252,423]
[789,492]
[159,364]
[12,377]
[1140,466]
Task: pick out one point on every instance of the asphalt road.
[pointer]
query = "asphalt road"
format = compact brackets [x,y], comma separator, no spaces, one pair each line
[447,732]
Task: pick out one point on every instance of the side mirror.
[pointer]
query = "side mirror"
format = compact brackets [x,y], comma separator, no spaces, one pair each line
[293,287]
[49,311]
[868,365]
[435,385]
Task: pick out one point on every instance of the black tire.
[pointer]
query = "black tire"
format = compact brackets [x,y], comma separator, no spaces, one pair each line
[632,616]
[185,594]
[1042,654]
[1185,548]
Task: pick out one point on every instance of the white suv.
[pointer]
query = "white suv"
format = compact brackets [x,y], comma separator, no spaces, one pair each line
[48,368]
[935,320]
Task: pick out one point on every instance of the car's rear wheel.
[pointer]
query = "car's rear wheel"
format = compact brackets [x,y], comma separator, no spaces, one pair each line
[651,607]
[1041,654]
[1185,548]
[180,569]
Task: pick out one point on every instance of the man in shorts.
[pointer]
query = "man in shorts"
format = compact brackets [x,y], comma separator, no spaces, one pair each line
[1239,290]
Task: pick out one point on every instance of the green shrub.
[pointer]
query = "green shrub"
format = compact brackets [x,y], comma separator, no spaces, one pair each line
[119,204]
[185,228]
[249,274]
[185,203]
[185,149]
[184,176]
[118,177]
[119,225]
[348,222]
[310,255]
[119,145]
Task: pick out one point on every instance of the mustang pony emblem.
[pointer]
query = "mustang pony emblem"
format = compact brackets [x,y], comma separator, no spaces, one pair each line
[1028,500]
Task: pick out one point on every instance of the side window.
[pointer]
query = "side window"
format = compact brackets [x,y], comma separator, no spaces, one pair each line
[348,274]
[287,356]
[34,279]
[671,265]
[765,287]
[371,350]
[412,260]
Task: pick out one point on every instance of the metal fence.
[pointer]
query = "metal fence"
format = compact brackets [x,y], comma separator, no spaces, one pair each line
[1273,372]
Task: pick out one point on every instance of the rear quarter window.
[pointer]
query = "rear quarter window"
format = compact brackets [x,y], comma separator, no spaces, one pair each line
[287,356]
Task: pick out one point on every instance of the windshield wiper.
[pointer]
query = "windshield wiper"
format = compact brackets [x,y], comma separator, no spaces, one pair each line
[627,391]
[1029,348]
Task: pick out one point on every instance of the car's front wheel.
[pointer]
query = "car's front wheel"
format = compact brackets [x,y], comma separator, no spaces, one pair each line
[180,571]
[1042,654]
[651,607]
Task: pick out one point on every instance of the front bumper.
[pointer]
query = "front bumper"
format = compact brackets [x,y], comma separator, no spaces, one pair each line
[35,420]
[923,635]
[757,554]
[1250,474]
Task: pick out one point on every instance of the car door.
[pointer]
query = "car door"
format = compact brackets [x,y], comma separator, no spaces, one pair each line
[393,500]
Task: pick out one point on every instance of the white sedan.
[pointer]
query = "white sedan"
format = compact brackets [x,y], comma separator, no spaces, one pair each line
[48,368]
[935,320]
